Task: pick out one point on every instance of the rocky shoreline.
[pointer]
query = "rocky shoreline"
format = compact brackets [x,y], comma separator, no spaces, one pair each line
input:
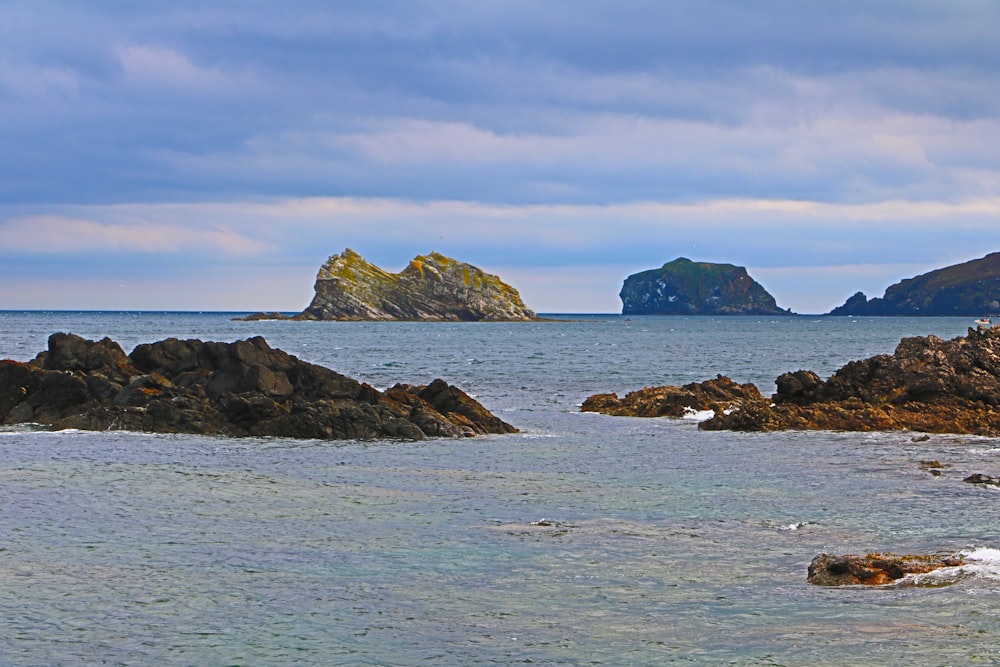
[238,389]
[927,385]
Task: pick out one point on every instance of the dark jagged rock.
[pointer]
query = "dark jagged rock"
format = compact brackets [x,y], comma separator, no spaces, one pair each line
[967,289]
[671,401]
[683,287]
[874,569]
[244,388]
[927,385]
[431,288]
[980,478]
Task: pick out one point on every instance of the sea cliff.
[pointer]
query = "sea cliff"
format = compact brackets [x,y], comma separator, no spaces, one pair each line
[968,289]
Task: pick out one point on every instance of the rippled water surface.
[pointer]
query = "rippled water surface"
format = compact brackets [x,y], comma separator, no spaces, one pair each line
[583,539]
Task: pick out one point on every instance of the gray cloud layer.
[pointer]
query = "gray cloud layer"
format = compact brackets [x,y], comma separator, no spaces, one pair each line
[505,104]
[578,100]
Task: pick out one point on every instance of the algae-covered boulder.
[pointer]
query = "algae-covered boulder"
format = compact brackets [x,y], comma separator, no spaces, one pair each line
[432,287]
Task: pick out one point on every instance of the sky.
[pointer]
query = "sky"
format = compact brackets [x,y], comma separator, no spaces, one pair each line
[193,155]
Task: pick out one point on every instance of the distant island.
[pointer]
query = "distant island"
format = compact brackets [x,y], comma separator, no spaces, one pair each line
[431,288]
[683,287]
[968,289]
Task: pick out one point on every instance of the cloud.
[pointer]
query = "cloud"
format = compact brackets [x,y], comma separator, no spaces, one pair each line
[169,70]
[29,80]
[571,133]
[55,235]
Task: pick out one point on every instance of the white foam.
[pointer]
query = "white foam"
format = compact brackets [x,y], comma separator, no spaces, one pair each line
[794,526]
[983,554]
[981,563]
[698,415]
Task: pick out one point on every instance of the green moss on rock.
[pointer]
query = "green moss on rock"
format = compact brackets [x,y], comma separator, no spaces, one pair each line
[432,287]
[683,287]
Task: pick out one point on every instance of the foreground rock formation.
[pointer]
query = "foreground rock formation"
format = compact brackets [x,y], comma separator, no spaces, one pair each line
[928,385]
[718,395]
[683,287]
[244,388]
[431,288]
[967,289]
[875,569]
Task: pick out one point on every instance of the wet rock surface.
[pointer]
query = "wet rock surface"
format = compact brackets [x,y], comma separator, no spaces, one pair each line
[671,401]
[874,569]
[928,385]
[244,388]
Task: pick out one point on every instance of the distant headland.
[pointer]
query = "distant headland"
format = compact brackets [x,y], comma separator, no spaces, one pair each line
[968,289]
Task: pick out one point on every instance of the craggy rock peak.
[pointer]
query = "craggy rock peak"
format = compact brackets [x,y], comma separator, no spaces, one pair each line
[433,287]
[928,385]
[244,388]
[875,569]
[968,289]
[683,287]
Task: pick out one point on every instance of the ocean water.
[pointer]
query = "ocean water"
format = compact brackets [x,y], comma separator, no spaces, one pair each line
[581,540]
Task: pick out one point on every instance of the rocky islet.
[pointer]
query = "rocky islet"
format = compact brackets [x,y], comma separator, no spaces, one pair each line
[928,385]
[684,287]
[245,388]
[432,288]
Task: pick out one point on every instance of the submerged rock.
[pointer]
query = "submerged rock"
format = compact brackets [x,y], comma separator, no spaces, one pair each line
[980,478]
[244,388]
[431,288]
[874,569]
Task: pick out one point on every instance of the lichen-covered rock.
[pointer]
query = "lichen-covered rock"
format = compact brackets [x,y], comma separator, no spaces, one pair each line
[244,388]
[432,287]
[683,287]
[874,569]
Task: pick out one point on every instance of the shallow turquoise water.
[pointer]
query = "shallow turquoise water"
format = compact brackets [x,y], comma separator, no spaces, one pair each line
[583,539]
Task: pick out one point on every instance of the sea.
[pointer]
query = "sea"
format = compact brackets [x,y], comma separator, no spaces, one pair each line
[581,540]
